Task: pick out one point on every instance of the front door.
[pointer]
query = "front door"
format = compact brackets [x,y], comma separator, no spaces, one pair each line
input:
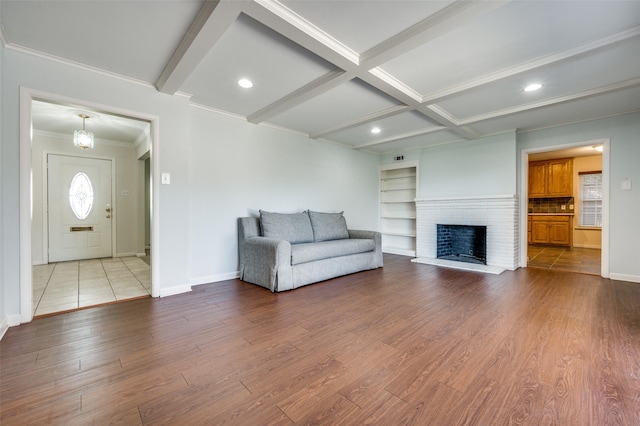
[79,200]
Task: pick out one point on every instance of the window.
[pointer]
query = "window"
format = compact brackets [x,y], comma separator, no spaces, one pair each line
[590,199]
[81,195]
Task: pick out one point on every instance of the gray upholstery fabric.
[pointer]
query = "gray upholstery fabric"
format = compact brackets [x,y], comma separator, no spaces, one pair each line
[293,227]
[267,261]
[301,253]
[328,226]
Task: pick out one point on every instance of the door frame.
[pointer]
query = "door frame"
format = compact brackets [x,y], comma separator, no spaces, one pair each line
[524,199]
[45,198]
[27,95]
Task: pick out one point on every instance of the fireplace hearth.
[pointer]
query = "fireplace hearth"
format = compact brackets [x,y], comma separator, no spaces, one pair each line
[462,243]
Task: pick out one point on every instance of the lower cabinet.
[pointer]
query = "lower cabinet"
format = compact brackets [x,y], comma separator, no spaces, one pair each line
[550,230]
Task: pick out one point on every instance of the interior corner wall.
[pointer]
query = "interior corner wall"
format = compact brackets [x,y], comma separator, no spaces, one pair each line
[478,167]
[624,229]
[238,168]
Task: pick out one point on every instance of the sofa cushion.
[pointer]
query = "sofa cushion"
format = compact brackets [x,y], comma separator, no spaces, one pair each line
[293,227]
[302,253]
[328,226]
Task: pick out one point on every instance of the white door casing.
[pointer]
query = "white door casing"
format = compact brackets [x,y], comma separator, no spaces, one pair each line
[83,232]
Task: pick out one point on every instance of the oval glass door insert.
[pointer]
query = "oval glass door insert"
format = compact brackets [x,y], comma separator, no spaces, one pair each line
[81,195]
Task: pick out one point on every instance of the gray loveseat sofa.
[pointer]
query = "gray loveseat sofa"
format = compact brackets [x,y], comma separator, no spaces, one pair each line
[285,251]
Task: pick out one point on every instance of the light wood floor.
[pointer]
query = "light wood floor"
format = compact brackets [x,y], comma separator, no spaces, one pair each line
[406,344]
[66,286]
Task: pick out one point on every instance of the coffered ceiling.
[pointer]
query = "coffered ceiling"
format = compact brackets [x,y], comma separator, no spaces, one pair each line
[424,72]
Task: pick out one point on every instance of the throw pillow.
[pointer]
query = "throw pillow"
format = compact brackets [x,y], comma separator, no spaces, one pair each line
[293,227]
[328,226]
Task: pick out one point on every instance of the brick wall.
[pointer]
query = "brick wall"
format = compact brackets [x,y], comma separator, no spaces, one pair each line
[498,213]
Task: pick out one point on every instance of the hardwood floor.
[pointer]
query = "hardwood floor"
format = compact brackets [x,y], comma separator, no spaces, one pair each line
[406,344]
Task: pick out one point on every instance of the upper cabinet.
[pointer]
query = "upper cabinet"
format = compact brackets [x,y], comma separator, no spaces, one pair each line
[551,178]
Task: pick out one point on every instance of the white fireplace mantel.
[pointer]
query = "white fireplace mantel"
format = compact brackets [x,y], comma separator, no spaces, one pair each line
[499,213]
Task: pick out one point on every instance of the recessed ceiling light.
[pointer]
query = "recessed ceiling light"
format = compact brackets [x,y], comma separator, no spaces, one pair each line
[376,130]
[533,87]
[245,82]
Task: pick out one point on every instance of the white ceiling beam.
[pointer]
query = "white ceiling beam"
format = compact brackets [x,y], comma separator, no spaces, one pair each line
[308,91]
[554,101]
[584,49]
[211,22]
[400,137]
[394,110]
[443,21]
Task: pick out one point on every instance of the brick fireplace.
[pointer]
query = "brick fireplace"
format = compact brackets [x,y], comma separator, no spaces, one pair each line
[498,213]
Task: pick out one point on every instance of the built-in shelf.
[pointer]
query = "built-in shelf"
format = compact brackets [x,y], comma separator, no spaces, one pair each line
[398,189]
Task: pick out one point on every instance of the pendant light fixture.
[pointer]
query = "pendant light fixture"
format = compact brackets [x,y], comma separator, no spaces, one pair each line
[82,138]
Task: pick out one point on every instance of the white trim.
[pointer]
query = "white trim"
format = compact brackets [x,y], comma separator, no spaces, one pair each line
[524,200]
[27,95]
[391,250]
[101,141]
[4,326]
[214,278]
[172,291]
[64,61]
[625,277]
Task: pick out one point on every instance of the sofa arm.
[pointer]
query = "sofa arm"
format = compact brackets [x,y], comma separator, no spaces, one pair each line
[373,235]
[267,263]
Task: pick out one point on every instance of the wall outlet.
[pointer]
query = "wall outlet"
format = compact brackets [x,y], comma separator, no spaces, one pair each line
[125,193]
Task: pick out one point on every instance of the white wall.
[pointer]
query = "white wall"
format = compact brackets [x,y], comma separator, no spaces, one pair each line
[478,167]
[126,214]
[238,169]
[221,168]
[624,134]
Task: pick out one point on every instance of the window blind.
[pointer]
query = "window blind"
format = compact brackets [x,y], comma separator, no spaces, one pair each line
[590,199]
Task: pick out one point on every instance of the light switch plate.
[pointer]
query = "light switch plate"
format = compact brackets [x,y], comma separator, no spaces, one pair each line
[626,184]
[166,178]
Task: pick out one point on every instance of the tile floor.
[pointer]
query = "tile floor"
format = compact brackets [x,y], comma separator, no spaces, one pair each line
[575,259]
[65,286]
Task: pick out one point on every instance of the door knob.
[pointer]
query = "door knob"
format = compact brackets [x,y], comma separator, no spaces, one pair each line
[108,216]
[108,209]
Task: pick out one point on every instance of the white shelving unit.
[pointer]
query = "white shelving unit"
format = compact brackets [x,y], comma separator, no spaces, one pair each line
[398,189]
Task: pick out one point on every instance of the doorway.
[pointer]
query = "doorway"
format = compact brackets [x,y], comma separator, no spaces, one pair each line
[115,254]
[561,232]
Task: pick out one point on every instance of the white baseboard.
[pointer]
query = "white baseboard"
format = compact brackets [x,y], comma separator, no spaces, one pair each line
[624,277]
[215,278]
[8,321]
[141,254]
[126,254]
[401,252]
[4,326]
[172,291]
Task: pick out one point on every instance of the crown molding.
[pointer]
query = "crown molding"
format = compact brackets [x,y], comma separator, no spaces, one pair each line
[288,15]
[57,59]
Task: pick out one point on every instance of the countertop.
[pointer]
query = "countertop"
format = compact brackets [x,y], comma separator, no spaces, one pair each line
[551,214]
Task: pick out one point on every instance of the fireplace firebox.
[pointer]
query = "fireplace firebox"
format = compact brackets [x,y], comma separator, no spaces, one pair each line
[462,243]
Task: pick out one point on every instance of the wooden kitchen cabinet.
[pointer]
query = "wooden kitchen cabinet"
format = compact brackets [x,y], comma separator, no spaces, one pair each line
[551,178]
[555,230]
